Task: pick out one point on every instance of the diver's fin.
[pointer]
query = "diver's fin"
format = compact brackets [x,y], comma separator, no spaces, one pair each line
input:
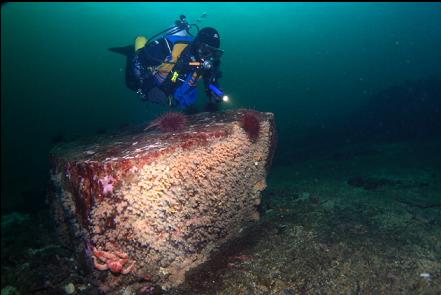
[125,50]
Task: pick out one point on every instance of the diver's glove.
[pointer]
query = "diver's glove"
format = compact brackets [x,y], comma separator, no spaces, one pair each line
[215,99]
[213,96]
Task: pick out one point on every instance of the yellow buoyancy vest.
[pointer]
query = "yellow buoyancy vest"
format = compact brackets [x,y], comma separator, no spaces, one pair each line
[165,68]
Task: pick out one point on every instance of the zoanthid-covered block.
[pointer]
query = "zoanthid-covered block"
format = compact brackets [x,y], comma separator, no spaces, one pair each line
[158,203]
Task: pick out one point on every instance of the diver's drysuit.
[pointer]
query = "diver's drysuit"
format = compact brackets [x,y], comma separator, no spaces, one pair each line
[167,70]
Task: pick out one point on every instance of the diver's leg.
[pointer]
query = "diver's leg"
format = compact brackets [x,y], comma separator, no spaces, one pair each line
[143,79]
[136,68]
[132,82]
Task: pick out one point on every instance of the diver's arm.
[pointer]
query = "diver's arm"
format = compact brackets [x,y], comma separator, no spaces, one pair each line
[139,66]
[212,78]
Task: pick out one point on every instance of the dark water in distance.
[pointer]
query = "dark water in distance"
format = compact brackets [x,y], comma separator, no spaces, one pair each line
[313,65]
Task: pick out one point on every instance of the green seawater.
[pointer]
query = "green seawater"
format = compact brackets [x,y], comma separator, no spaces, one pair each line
[307,63]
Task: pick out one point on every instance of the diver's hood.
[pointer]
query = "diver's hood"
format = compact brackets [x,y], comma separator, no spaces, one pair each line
[208,36]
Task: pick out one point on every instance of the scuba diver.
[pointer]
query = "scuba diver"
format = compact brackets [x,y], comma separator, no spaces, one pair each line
[166,69]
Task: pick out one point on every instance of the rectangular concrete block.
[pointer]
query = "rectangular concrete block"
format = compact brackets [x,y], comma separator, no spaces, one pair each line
[158,202]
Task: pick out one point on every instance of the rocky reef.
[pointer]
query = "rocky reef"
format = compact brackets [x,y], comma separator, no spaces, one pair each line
[155,204]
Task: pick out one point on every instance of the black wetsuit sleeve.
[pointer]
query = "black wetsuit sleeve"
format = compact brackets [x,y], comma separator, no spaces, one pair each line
[212,76]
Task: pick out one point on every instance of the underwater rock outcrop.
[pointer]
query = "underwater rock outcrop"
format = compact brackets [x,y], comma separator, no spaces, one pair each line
[156,204]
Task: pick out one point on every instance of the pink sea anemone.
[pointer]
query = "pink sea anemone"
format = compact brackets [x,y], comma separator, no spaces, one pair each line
[251,124]
[172,121]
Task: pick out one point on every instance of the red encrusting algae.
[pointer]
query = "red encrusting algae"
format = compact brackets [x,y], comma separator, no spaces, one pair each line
[251,124]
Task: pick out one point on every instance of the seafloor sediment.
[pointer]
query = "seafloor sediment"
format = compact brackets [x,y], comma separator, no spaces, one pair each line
[323,231]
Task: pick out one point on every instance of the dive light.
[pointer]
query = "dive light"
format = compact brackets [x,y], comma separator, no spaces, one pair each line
[219,93]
